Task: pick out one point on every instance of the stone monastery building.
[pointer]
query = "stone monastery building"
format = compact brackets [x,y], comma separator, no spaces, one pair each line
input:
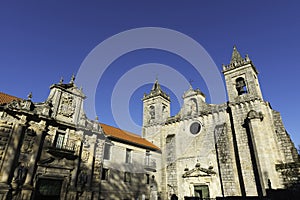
[50,150]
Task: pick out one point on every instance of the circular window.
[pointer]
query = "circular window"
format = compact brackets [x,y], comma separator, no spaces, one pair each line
[195,127]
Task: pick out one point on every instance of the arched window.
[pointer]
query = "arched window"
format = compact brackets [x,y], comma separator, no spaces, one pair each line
[241,86]
[152,112]
[193,106]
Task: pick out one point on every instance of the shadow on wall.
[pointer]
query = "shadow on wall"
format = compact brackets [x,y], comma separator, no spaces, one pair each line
[127,181]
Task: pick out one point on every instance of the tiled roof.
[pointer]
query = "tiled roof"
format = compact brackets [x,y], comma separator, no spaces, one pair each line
[125,136]
[5,98]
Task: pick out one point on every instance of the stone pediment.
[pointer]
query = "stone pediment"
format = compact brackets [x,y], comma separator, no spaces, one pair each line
[191,92]
[198,172]
[52,162]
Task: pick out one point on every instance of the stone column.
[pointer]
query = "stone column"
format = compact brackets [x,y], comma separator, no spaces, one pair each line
[90,163]
[10,157]
[77,136]
[38,129]
[259,143]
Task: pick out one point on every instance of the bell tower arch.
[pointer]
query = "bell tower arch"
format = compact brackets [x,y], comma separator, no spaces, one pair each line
[156,106]
[241,78]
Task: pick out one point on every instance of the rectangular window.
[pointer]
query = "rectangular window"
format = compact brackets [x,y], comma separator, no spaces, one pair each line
[105,174]
[201,191]
[48,189]
[147,158]
[59,140]
[127,177]
[147,178]
[107,151]
[128,155]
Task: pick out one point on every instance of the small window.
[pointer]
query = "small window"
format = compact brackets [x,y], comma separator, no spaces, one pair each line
[107,151]
[147,158]
[127,177]
[152,112]
[241,86]
[148,179]
[59,140]
[105,174]
[128,155]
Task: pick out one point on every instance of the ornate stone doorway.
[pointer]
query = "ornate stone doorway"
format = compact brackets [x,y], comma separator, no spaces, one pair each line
[201,191]
[48,189]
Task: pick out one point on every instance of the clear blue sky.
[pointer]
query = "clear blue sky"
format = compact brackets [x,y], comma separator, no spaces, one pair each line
[41,42]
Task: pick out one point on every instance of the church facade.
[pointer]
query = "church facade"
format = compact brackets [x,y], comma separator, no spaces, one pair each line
[51,150]
[238,148]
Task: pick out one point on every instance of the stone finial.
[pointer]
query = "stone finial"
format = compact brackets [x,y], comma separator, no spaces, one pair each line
[236,56]
[191,82]
[247,58]
[29,96]
[61,80]
[156,91]
[72,79]
[97,118]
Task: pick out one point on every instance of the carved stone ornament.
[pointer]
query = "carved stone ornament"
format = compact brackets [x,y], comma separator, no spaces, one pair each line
[28,142]
[51,134]
[67,106]
[255,115]
[88,140]
[76,135]
[85,155]
[37,127]
[14,104]
[22,119]
[20,174]
[198,172]
[20,104]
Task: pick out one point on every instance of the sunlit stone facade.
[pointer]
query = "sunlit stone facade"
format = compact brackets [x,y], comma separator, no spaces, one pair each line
[238,148]
[50,150]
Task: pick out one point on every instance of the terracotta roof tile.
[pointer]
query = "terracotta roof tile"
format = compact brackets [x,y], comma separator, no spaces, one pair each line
[5,98]
[117,133]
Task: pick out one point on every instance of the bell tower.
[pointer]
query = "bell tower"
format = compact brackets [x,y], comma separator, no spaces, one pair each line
[156,106]
[241,78]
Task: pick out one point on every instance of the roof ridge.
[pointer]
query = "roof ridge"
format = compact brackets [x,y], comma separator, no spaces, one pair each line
[6,98]
[10,95]
[127,132]
[118,133]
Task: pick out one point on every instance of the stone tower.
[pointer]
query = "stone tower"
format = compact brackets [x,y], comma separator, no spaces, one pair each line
[156,109]
[256,129]
[241,78]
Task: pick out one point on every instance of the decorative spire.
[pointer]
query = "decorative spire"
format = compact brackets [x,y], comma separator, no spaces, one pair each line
[61,80]
[72,79]
[156,86]
[29,96]
[236,56]
[191,81]
[156,91]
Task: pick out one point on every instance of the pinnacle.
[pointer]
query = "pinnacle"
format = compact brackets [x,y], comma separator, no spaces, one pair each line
[236,56]
[156,86]
[156,91]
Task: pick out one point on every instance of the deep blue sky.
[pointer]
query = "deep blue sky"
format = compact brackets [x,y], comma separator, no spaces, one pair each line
[41,42]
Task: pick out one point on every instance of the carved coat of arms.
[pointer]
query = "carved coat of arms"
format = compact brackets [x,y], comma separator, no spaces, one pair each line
[67,106]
